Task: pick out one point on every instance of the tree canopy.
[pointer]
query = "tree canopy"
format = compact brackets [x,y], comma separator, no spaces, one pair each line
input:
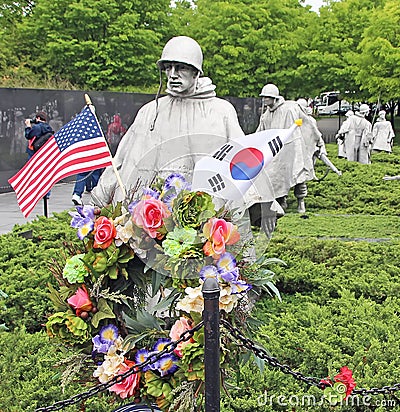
[350,45]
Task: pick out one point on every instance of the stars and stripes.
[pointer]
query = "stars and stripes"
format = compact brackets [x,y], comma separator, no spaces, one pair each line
[77,147]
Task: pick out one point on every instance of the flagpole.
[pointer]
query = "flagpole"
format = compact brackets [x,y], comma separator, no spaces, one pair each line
[92,108]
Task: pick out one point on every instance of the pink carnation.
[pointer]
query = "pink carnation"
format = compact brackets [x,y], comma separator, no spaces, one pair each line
[128,386]
[180,326]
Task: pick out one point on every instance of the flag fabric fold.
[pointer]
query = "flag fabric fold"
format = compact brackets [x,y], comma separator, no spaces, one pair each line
[77,147]
[232,169]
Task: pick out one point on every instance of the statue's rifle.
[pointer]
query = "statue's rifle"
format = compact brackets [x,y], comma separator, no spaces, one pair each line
[330,165]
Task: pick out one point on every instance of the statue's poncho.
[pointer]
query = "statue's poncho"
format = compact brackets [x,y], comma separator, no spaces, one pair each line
[184,129]
[382,135]
[357,131]
[293,164]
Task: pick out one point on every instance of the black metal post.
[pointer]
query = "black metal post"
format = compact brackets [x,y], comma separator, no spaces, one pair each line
[45,209]
[211,344]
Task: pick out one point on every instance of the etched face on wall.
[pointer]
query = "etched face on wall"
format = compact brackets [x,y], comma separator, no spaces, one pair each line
[181,78]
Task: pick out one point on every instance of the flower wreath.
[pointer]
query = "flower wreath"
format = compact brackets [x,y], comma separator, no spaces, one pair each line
[137,285]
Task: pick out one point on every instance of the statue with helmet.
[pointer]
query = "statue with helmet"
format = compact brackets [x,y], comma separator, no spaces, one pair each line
[294,165]
[357,136]
[340,137]
[170,133]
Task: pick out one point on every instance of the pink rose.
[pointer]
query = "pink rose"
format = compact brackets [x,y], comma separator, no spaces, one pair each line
[104,232]
[180,326]
[80,301]
[219,233]
[128,386]
[149,214]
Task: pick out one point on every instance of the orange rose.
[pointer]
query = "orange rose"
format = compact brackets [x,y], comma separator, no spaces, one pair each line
[104,232]
[219,233]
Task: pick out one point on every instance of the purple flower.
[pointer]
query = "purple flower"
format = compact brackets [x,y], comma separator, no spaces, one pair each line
[167,364]
[141,356]
[105,339]
[240,286]
[227,269]
[83,220]
[226,262]
[132,206]
[176,181]
[150,192]
[208,272]
[160,344]
[168,198]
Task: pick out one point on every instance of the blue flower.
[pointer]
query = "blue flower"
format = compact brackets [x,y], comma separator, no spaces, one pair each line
[105,339]
[167,364]
[176,181]
[83,220]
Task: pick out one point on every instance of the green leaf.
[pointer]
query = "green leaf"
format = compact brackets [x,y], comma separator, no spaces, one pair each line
[104,312]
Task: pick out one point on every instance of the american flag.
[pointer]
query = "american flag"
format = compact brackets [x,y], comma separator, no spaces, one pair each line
[77,147]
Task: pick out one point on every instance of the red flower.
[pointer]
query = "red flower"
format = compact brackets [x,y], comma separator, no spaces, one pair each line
[104,232]
[346,376]
[80,301]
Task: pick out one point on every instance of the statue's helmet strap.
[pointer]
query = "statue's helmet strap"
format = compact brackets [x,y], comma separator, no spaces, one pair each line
[270,90]
[182,49]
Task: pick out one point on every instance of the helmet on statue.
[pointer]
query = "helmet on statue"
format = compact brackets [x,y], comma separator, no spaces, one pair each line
[182,49]
[270,90]
[302,102]
[364,109]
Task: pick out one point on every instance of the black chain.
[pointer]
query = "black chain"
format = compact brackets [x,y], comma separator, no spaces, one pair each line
[235,333]
[169,348]
[262,354]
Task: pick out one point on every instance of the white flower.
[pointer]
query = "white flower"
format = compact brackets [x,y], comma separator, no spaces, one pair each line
[111,365]
[124,232]
[193,302]
[227,301]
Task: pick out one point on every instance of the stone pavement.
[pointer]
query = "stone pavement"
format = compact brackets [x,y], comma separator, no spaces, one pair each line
[60,200]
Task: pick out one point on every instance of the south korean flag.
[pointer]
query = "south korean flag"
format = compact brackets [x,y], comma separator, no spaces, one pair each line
[230,171]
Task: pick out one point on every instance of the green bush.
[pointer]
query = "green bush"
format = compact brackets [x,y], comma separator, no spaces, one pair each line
[29,379]
[25,269]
